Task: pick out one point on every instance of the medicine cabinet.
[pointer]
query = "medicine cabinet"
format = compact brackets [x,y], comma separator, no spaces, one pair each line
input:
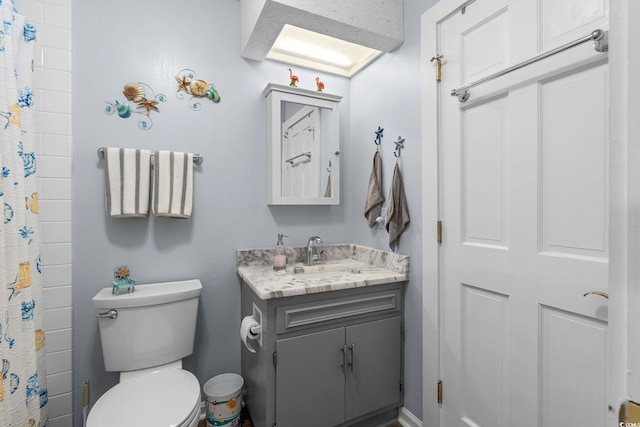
[303,146]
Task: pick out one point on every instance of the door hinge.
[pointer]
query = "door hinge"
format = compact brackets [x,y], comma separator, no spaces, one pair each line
[400,386]
[275,359]
[439,231]
[439,391]
[438,61]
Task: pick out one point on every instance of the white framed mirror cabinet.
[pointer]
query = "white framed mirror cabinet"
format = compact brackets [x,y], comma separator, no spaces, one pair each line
[303,146]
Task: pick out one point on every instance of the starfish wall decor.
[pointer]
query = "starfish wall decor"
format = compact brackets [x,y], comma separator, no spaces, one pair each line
[190,84]
[145,99]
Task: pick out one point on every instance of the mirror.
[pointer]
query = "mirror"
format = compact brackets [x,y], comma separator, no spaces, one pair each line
[303,146]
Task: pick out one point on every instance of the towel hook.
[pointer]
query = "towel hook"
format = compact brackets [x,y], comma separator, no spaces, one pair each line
[378,139]
[399,146]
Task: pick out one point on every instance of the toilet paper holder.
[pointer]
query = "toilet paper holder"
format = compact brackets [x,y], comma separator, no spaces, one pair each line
[257,329]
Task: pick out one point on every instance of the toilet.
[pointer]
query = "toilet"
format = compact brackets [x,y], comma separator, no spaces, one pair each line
[145,334]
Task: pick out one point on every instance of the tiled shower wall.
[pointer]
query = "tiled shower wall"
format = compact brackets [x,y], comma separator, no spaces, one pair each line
[53,123]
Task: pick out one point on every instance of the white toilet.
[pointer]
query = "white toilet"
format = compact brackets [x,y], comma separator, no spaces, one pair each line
[145,335]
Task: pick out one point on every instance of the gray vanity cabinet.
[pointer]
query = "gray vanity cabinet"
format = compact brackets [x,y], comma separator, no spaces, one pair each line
[329,377]
[328,359]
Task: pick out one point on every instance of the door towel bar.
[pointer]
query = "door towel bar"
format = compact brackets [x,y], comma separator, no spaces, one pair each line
[601,44]
[307,154]
[197,158]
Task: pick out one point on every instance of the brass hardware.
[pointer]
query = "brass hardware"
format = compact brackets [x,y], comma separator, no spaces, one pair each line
[439,232]
[438,61]
[602,294]
[629,413]
[439,391]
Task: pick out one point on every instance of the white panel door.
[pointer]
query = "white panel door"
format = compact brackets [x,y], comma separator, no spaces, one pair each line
[523,197]
[301,153]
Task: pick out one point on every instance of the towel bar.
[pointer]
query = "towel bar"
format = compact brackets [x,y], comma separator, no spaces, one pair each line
[197,158]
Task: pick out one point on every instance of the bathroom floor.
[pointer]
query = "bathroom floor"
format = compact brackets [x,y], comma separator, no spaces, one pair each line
[245,421]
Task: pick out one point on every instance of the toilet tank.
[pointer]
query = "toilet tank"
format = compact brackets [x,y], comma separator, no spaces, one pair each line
[155,325]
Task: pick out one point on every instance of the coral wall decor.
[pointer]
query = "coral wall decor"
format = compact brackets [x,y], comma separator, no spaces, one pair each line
[144,98]
[190,84]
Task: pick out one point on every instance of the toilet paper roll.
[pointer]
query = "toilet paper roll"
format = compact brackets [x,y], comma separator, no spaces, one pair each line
[246,334]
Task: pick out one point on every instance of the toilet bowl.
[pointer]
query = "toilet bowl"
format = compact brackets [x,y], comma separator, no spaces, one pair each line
[164,398]
[144,336]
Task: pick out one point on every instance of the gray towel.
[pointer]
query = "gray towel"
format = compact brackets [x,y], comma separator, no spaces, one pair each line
[397,212]
[375,198]
[327,192]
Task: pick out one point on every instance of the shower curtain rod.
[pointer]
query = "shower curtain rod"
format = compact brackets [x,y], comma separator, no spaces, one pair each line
[601,44]
[197,158]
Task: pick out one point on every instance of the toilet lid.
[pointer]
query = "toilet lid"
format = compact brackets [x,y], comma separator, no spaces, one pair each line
[163,398]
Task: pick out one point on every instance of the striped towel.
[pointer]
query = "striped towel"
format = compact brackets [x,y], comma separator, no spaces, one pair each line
[127,182]
[173,184]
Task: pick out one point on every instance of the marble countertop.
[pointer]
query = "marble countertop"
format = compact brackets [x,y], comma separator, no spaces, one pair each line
[340,267]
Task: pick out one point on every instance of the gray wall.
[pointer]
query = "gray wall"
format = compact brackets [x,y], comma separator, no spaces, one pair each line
[120,41]
[387,94]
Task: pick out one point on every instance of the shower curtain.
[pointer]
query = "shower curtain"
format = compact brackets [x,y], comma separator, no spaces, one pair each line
[23,391]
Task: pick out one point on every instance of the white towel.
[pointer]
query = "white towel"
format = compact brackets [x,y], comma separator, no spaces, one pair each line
[173,184]
[127,182]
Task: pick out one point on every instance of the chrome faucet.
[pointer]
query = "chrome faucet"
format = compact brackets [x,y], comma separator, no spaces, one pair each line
[310,255]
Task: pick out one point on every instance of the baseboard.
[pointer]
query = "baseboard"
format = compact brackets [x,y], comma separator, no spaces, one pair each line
[407,419]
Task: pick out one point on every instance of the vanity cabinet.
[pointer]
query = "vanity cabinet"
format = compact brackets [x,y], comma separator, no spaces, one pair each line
[327,359]
[329,377]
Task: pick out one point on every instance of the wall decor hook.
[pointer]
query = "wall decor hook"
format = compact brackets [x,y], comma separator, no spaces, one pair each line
[378,139]
[399,146]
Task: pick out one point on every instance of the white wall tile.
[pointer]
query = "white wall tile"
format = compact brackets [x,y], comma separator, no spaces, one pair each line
[55,232]
[59,383]
[57,275]
[58,297]
[52,79]
[32,10]
[55,59]
[55,253]
[55,189]
[57,145]
[54,167]
[57,340]
[63,421]
[56,15]
[48,35]
[55,210]
[57,318]
[59,405]
[66,3]
[60,361]
[57,102]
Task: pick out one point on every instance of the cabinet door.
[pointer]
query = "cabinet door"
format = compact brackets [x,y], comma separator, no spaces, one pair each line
[374,366]
[310,380]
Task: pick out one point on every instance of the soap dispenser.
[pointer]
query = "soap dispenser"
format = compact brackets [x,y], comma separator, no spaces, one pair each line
[279,254]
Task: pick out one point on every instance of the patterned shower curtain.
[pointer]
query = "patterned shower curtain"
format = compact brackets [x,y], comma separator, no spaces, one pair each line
[23,391]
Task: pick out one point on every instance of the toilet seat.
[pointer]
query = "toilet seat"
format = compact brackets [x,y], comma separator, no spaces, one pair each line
[168,398]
